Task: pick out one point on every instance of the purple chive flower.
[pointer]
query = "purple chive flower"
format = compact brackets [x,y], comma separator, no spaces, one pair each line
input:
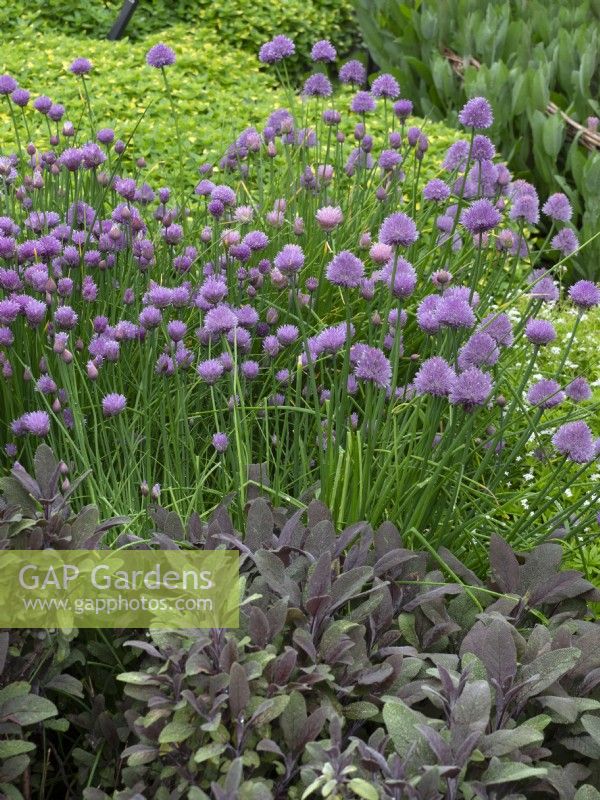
[585,294]
[176,330]
[7,84]
[81,66]
[331,339]
[478,351]
[71,158]
[499,328]
[220,441]
[362,103]
[345,269]
[37,423]
[220,319]
[6,336]
[65,317]
[105,136]
[434,377]
[483,148]
[385,86]
[210,370]
[42,104]
[476,113]
[388,160]
[276,50]
[329,217]
[574,440]
[290,259]
[160,56]
[93,156]
[456,155]
[287,334]
[525,207]
[374,366]
[540,332]
[20,97]
[455,312]
[323,51]
[545,394]
[381,253]
[256,240]
[247,316]
[224,194]
[470,388]
[353,72]
[398,230]
[35,312]
[427,314]
[173,234]
[578,390]
[45,384]
[480,217]
[558,208]
[227,361]
[403,109]
[240,339]
[317,85]
[250,369]
[113,404]
[436,190]
[204,188]
[542,286]
[213,290]
[331,116]
[56,112]
[403,275]
[271,346]
[150,317]
[565,241]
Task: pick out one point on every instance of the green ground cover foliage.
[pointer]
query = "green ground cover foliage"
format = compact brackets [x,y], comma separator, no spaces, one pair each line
[218,92]
[303,20]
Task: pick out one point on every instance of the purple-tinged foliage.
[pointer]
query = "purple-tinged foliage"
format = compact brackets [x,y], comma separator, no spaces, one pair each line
[440,686]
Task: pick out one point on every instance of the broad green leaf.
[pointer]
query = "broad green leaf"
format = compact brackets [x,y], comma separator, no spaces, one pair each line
[503,742]
[267,714]
[293,719]
[587,792]
[363,789]
[553,135]
[138,678]
[507,772]
[471,711]
[406,624]
[175,732]
[401,722]
[538,87]
[208,751]
[548,668]
[139,755]
[15,747]
[12,768]
[27,709]
[592,726]
[360,710]
[17,689]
